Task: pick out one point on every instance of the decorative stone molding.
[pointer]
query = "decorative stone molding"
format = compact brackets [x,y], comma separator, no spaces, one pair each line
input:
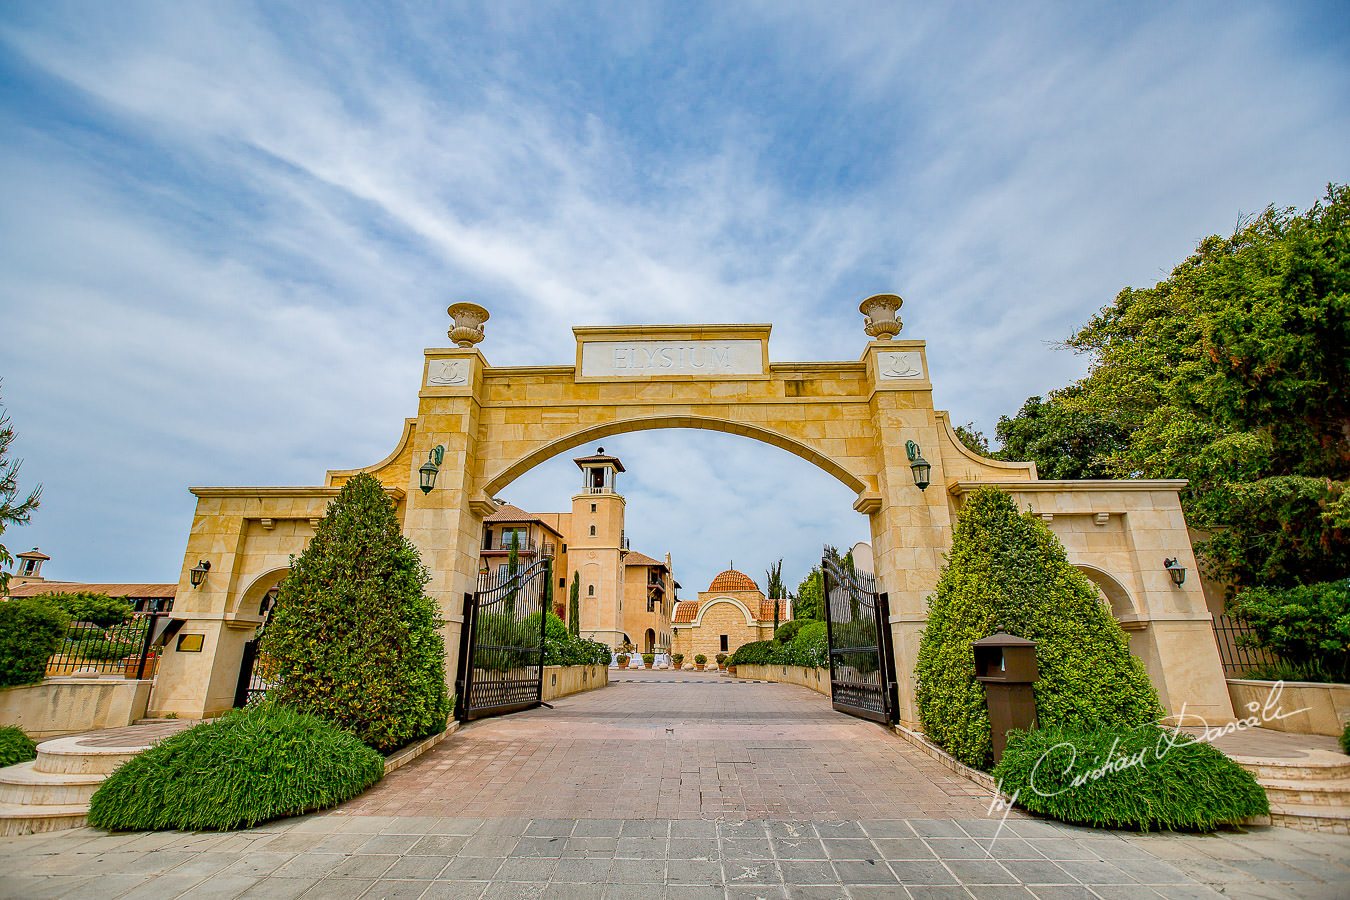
[469,319]
[879,318]
[1047,518]
[448,372]
[1101,518]
[268,524]
[906,364]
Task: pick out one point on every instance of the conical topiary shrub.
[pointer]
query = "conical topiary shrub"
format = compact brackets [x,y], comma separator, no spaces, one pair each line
[353,637]
[1008,570]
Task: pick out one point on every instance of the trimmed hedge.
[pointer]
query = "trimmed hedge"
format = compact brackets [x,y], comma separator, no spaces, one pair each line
[30,632]
[1345,740]
[1008,570]
[252,765]
[15,746]
[810,648]
[562,648]
[353,638]
[1144,778]
[788,630]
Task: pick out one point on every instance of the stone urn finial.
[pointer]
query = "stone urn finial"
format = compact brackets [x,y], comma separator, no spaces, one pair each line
[880,320]
[469,319]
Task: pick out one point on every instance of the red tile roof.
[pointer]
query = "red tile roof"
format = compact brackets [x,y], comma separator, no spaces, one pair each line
[685,611]
[635,558]
[731,580]
[135,591]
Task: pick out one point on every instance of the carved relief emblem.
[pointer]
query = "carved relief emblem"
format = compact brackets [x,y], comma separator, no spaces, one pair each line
[448,372]
[903,364]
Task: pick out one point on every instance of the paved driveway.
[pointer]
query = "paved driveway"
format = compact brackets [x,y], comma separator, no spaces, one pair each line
[672,745]
[756,790]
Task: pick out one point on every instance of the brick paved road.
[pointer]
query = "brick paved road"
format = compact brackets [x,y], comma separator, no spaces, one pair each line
[677,746]
[761,791]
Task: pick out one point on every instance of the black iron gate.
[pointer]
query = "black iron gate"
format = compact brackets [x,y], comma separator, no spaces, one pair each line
[255,676]
[501,650]
[862,664]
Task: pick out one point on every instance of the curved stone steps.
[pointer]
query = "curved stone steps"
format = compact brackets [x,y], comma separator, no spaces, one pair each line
[24,783]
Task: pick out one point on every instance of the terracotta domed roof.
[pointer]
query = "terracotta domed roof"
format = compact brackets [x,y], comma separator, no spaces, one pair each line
[731,580]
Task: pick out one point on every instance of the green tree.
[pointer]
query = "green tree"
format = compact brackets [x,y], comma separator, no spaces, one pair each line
[1234,373]
[574,606]
[973,438]
[12,511]
[512,566]
[1007,570]
[353,638]
[1064,438]
[809,603]
[773,581]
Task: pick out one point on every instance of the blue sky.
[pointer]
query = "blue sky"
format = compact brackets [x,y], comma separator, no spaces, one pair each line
[230,229]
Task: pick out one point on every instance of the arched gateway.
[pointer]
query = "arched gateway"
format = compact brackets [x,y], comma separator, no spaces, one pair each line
[853,419]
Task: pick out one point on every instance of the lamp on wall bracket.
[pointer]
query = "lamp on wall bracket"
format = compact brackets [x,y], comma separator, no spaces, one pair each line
[1176,570]
[918,465]
[427,473]
[197,574]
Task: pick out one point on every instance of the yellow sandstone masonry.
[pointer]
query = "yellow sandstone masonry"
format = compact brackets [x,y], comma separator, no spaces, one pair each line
[852,419]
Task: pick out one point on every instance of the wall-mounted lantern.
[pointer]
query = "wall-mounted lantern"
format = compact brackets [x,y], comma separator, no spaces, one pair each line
[1176,570]
[918,465]
[197,574]
[427,473]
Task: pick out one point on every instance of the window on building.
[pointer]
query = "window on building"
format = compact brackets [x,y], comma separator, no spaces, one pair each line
[30,564]
[562,582]
[590,590]
[592,507]
[724,643]
[592,531]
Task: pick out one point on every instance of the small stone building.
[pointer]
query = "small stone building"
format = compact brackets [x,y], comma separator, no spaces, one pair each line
[731,612]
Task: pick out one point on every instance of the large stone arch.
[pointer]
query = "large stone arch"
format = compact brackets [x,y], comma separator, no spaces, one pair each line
[852,419]
[706,605]
[594,433]
[1116,594]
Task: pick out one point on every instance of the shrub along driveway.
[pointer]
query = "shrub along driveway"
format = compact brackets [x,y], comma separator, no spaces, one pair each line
[758,791]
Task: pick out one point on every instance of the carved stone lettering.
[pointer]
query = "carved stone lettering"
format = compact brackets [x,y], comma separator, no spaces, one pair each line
[643,359]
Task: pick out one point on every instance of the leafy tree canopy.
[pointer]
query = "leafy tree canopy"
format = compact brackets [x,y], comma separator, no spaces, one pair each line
[973,438]
[809,602]
[1234,373]
[1064,438]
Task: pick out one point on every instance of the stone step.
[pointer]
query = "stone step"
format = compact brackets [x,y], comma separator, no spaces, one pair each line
[70,755]
[24,784]
[1317,765]
[1317,792]
[1311,818]
[16,818]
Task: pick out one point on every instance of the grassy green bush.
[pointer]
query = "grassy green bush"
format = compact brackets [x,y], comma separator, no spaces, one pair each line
[87,606]
[755,653]
[1307,627]
[30,632]
[562,648]
[1008,570]
[1345,740]
[353,637]
[788,630]
[811,646]
[15,746]
[249,766]
[1120,777]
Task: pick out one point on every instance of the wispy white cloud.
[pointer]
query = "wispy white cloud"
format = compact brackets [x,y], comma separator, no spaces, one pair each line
[229,231]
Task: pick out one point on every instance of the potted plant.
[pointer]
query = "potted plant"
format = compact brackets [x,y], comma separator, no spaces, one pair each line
[677,660]
[721,658]
[622,660]
[648,659]
[700,661]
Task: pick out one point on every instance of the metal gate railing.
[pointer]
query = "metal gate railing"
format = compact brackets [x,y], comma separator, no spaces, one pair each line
[862,664]
[255,677]
[501,654]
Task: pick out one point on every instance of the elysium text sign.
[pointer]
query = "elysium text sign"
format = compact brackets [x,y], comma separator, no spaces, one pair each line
[643,359]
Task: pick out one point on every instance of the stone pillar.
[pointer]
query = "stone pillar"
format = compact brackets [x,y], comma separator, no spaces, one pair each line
[446,523]
[910,528]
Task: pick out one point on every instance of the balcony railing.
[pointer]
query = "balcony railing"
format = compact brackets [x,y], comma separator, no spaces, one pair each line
[502,543]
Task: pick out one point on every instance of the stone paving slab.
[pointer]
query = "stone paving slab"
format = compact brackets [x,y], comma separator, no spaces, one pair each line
[463,857]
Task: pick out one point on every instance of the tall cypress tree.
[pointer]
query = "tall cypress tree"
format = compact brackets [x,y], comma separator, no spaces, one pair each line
[574,606]
[353,638]
[1009,571]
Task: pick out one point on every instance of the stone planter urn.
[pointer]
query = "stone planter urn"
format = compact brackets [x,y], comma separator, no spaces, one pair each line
[469,319]
[880,319]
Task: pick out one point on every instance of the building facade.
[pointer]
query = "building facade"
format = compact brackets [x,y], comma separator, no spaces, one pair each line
[626,597]
[731,612]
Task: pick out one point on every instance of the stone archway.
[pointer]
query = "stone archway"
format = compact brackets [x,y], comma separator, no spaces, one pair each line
[851,419]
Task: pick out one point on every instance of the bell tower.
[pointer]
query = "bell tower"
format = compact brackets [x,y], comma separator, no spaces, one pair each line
[597,547]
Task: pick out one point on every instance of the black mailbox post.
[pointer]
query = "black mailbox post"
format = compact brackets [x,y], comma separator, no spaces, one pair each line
[1006,664]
